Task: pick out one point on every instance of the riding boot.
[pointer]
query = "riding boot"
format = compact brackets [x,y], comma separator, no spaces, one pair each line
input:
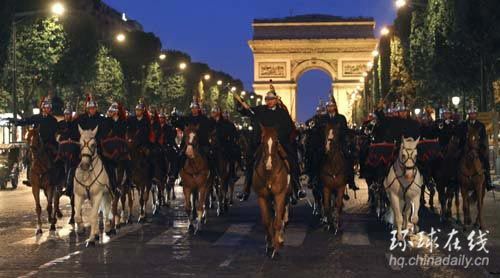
[112,177]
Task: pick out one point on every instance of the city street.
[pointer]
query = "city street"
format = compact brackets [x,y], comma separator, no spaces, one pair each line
[228,246]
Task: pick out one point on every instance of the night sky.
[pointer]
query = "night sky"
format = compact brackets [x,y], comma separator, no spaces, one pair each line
[216,32]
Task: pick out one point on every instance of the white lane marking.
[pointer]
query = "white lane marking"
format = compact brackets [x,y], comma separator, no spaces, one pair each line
[171,236]
[295,235]
[234,235]
[355,238]
[51,263]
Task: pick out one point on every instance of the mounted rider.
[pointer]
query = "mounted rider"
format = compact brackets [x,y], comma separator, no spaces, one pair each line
[227,137]
[165,138]
[473,122]
[47,127]
[274,114]
[69,148]
[313,140]
[446,127]
[338,120]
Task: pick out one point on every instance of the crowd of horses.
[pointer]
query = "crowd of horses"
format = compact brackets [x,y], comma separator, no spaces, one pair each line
[395,186]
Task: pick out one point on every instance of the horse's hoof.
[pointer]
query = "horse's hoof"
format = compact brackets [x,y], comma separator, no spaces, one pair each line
[97,238]
[275,255]
[269,251]
[141,220]
[52,227]
[90,243]
[71,221]
[111,232]
[191,229]
[38,232]
[129,220]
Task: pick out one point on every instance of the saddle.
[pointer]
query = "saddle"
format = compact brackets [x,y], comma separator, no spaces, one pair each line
[115,148]
[429,150]
[69,151]
[381,155]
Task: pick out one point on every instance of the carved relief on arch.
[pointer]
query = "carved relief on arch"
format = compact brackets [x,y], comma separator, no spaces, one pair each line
[298,67]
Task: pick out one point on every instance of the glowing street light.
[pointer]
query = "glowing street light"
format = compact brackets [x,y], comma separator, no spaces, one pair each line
[375,53]
[163,57]
[233,89]
[58,9]
[417,111]
[243,93]
[384,31]
[182,66]
[120,37]
[252,97]
[219,82]
[206,77]
[400,3]
[455,101]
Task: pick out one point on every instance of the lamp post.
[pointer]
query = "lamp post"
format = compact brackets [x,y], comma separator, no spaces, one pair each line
[57,9]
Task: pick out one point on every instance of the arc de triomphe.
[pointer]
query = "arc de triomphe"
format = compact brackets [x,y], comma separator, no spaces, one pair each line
[284,49]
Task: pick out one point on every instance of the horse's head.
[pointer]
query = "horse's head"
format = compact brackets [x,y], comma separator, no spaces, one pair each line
[191,137]
[33,138]
[331,137]
[88,147]
[473,138]
[270,141]
[408,153]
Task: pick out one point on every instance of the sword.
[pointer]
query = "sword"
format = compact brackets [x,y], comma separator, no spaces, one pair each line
[242,102]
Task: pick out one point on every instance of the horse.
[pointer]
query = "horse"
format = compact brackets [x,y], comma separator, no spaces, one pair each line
[194,174]
[220,180]
[471,178]
[160,175]
[403,186]
[44,175]
[142,173]
[271,183]
[91,181]
[446,181]
[333,178]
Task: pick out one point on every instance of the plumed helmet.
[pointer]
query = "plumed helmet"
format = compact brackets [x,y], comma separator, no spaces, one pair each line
[113,108]
[194,105]
[216,109]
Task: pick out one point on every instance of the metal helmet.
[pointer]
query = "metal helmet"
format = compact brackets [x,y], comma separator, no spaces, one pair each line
[472,110]
[47,103]
[67,111]
[140,106]
[113,108]
[174,111]
[216,109]
[194,105]
[162,115]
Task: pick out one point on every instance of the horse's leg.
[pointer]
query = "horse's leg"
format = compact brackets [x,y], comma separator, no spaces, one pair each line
[279,225]
[465,206]
[94,218]
[50,206]
[413,209]
[201,216]
[142,208]
[457,204]
[266,221]
[432,192]
[130,197]
[38,208]
[57,212]
[480,199]
[398,215]
[78,212]
[115,220]
[72,203]
[187,205]
[327,213]
[339,202]
[108,214]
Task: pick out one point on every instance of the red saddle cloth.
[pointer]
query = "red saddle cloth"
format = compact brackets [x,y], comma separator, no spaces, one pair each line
[429,150]
[381,155]
[69,151]
[115,148]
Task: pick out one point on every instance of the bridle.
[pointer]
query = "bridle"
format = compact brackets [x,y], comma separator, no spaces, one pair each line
[92,152]
[409,158]
[91,155]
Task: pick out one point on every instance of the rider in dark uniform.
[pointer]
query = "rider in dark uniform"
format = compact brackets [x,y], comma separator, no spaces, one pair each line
[227,136]
[165,139]
[338,120]
[472,122]
[139,126]
[67,130]
[313,140]
[445,127]
[276,116]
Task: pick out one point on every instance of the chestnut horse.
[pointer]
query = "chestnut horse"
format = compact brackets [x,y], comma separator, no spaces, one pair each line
[44,175]
[220,180]
[332,175]
[194,174]
[471,177]
[271,183]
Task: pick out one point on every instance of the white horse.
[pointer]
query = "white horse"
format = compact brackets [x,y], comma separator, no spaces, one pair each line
[92,182]
[403,186]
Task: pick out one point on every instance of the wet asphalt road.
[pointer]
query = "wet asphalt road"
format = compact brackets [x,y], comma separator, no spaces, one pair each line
[228,246]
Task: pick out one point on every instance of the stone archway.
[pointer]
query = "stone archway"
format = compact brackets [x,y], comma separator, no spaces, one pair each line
[284,49]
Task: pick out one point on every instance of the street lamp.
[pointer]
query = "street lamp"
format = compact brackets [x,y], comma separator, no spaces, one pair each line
[163,57]
[182,66]
[417,111]
[455,101]
[206,77]
[219,82]
[243,93]
[400,3]
[233,89]
[58,9]
[120,37]
[385,31]
[252,96]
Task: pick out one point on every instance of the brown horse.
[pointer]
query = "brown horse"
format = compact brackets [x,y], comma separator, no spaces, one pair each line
[332,174]
[194,174]
[471,177]
[44,175]
[126,195]
[271,183]
[446,179]
[142,174]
